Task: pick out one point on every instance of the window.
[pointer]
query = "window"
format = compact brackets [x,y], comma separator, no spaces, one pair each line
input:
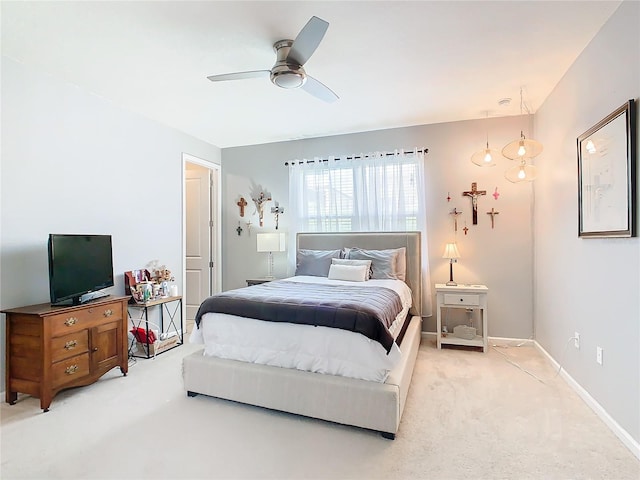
[376,193]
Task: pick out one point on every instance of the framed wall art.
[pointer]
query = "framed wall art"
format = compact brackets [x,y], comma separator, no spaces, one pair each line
[607,176]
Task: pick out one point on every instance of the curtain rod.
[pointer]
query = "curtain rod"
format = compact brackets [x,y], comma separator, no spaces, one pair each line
[352,157]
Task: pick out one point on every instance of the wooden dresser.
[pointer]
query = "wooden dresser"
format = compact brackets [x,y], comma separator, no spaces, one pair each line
[51,348]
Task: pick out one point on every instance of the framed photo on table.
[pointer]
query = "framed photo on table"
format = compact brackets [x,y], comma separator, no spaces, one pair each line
[607,160]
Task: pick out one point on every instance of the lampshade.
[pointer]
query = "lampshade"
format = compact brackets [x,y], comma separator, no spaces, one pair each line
[270,242]
[485,157]
[451,251]
[522,148]
[521,173]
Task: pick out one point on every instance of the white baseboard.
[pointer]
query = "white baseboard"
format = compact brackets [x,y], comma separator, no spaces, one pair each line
[618,431]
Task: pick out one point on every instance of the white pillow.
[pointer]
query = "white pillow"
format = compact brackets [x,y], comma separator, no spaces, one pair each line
[346,261]
[351,273]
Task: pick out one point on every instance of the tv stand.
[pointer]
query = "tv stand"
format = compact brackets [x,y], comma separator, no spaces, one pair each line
[51,348]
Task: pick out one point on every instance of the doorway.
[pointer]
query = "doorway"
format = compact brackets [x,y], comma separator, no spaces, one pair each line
[201,233]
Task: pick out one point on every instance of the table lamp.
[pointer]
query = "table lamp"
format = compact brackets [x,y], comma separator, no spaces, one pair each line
[451,252]
[270,242]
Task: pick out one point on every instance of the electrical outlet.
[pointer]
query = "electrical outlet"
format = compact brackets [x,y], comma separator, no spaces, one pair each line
[576,340]
[599,355]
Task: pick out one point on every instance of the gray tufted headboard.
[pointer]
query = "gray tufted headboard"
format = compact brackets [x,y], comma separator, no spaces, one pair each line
[375,241]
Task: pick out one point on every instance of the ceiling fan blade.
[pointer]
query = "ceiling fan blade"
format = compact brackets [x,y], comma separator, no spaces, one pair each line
[307,41]
[239,75]
[319,90]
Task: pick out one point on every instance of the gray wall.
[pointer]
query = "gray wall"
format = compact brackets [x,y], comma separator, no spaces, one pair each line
[589,286]
[501,257]
[73,162]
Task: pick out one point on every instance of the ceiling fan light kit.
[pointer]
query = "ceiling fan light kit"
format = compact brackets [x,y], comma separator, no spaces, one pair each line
[291,55]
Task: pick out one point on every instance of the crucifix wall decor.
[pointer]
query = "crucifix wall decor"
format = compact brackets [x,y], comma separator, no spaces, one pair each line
[493,213]
[474,193]
[242,203]
[455,214]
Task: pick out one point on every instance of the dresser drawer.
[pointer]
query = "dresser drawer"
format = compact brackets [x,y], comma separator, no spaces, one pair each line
[69,345]
[69,370]
[84,318]
[461,299]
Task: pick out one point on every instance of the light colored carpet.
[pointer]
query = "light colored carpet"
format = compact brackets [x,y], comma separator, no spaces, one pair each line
[468,415]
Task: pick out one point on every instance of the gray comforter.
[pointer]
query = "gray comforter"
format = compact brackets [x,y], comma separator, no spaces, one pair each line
[366,310]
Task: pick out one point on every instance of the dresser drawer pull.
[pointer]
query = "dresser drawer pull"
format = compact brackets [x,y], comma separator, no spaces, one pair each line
[70,370]
[71,344]
[71,321]
[108,312]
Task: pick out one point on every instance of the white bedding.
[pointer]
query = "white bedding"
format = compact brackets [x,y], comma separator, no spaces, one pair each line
[304,347]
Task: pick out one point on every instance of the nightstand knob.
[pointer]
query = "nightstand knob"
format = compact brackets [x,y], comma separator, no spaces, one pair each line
[71,344]
[71,369]
[108,312]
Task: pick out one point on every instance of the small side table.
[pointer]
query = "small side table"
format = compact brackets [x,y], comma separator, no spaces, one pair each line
[463,296]
[258,281]
[176,335]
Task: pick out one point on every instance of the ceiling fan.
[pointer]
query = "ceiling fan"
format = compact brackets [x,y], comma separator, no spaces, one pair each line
[291,55]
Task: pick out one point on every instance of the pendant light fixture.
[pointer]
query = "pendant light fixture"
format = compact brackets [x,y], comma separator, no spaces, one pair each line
[521,150]
[487,156]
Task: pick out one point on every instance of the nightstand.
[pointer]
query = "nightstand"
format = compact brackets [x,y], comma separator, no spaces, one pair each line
[258,281]
[472,297]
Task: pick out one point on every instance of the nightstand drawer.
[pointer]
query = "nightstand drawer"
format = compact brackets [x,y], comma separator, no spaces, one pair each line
[461,299]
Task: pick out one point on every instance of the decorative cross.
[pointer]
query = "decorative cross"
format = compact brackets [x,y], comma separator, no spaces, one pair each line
[466,229]
[242,203]
[493,213]
[455,214]
[249,227]
[277,210]
[474,193]
[448,197]
[495,193]
[239,229]
[260,201]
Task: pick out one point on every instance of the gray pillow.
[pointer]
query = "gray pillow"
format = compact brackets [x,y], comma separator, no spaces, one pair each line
[383,262]
[315,263]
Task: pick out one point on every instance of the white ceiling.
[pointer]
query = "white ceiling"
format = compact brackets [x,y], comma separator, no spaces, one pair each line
[393,63]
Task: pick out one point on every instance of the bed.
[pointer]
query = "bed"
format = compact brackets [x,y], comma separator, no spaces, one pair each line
[371,400]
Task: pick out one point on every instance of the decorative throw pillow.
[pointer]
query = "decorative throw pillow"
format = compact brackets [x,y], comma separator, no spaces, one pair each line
[347,261]
[315,263]
[352,273]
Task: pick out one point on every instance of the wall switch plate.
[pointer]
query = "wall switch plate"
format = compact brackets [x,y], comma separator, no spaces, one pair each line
[576,340]
[599,355]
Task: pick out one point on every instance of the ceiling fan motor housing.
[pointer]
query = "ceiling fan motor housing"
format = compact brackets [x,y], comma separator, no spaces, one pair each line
[285,74]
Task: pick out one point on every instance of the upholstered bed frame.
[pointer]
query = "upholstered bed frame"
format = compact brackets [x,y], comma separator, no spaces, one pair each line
[361,403]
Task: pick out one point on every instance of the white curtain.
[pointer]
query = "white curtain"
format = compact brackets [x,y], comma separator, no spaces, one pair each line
[368,192]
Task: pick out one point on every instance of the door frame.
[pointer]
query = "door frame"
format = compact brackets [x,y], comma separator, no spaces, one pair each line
[216,214]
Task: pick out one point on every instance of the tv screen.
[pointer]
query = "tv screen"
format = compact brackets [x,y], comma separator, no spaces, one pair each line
[78,264]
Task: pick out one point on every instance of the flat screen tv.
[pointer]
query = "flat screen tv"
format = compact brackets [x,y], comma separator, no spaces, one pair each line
[78,264]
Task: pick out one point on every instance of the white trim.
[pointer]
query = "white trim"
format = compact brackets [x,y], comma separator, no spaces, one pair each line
[615,427]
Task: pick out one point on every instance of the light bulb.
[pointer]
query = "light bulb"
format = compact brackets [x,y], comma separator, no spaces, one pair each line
[521,149]
[487,156]
[521,174]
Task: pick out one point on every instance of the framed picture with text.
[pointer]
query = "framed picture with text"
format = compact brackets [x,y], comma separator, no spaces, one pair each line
[607,158]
